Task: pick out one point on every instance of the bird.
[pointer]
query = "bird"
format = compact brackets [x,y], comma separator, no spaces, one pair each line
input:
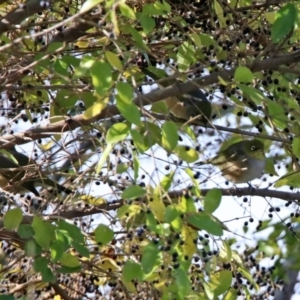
[187,106]
[241,162]
[12,173]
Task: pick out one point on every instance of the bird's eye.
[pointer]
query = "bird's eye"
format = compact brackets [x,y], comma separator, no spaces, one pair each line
[253,148]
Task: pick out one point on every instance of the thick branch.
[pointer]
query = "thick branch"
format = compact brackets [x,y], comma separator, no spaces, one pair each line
[152,97]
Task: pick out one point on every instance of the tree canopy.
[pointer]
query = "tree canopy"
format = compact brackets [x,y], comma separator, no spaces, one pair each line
[140,220]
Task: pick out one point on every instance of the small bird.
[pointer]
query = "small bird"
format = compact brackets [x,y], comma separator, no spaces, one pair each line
[241,162]
[188,105]
[10,177]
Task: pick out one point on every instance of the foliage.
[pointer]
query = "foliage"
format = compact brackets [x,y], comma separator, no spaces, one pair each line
[143,222]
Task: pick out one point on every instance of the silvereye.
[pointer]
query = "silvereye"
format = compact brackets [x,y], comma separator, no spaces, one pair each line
[240,162]
[186,106]
[10,178]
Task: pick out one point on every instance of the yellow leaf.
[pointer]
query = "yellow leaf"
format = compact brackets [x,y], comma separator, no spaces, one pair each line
[95,109]
[189,235]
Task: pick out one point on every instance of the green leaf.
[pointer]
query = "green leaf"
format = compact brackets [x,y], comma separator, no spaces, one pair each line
[296,146]
[117,132]
[133,192]
[73,231]
[25,231]
[57,249]
[186,153]
[114,60]
[277,114]
[147,23]
[286,18]
[166,182]
[220,282]
[205,222]
[157,8]
[169,135]
[253,93]
[69,260]
[138,39]
[101,73]
[89,4]
[41,265]
[139,141]
[243,74]
[81,249]
[32,249]
[131,270]
[43,232]
[121,168]
[212,200]
[232,294]
[290,179]
[136,167]
[151,258]
[171,213]
[125,105]
[103,234]
[13,218]
[68,270]
[270,167]
[7,297]
[183,282]
[127,11]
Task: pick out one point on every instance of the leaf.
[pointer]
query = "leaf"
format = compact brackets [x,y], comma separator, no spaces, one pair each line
[73,231]
[56,250]
[25,231]
[13,218]
[101,73]
[296,146]
[131,270]
[253,93]
[220,282]
[169,135]
[139,141]
[117,132]
[205,222]
[277,114]
[7,297]
[243,74]
[183,282]
[286,18]
[81,249]
[147,22]
[232,294]
[125,105]
[114,60]
[69,260]
[151,258]
[156,9]
[43,232]
[41,265]
[133,192]
[212,200]
[157,207]
[127,11]
[32,249]
[290,179]
[103,234]
[95,109]
[89,4]
[136,167]
[186,153]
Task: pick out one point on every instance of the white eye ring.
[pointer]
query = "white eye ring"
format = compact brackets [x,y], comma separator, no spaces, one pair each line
[253,148]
